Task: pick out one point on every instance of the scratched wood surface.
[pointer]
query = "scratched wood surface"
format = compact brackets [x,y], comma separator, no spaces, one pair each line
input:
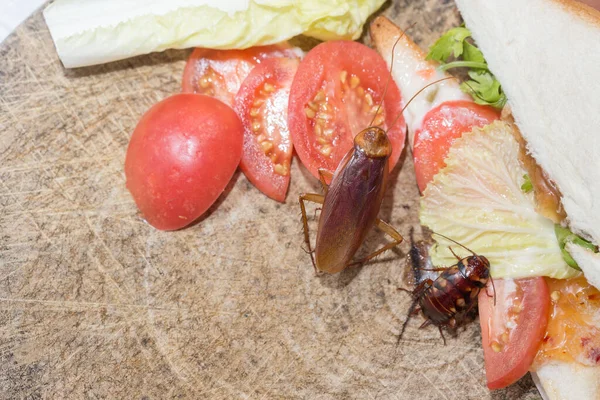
[95,303]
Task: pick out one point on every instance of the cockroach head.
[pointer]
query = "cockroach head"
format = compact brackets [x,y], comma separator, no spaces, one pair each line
[478,269]
[374,142]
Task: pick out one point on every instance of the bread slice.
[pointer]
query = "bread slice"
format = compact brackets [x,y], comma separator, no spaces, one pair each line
[568,381]
[412,72]
[546,54]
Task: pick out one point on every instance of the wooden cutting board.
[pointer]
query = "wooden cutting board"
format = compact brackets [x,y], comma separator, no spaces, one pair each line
[95,303]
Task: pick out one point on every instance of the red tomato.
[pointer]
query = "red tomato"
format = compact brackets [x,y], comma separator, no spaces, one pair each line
[182,154]
[262,104]
[334,96]
[220,73]
[512,331]
[441,126]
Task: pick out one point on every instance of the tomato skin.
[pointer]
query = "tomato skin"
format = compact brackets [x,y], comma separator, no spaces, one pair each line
[320,71]
[181,155]
[441,127]
[227,68]
[507,366]
[258,167]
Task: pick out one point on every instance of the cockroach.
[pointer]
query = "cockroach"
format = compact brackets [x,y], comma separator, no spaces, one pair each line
[447,300]
[353,199]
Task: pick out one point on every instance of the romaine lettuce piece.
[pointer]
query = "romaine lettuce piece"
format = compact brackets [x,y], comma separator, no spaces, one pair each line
[97,31]
[477,200]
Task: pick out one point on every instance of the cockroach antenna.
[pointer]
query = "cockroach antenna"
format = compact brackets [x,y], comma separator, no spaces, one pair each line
[454,241]
[414,96]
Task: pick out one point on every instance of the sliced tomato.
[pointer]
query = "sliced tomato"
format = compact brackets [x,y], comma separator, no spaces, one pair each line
[220,73]
[262,103]
[513,329]
[441,127]
[335,95]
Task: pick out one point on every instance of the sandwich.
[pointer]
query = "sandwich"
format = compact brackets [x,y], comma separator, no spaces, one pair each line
[507,163]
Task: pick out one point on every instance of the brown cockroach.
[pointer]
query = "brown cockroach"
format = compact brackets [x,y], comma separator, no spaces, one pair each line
[447,300]
[352,200]
[351,203]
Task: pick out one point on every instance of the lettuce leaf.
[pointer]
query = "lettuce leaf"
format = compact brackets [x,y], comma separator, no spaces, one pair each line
[98,31]
[477,200]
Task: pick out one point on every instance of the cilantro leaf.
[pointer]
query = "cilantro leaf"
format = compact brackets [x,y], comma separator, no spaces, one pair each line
[472,53]
[452,50]
[527,186]
[449,44]
[484,88]
[564,236]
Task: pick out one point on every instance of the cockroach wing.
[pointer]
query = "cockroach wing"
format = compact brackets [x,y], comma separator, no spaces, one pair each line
[350,209]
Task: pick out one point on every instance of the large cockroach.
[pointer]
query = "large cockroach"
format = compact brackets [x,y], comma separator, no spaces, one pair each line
[352,200]
[446,300]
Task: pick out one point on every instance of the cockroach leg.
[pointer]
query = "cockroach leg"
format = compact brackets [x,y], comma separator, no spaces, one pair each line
[425,324]
[392,232]
[442,334]
[411,311]
[324,176]
[318,209]
[315,198]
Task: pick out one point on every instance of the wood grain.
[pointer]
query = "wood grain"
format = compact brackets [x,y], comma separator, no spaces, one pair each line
[95,303]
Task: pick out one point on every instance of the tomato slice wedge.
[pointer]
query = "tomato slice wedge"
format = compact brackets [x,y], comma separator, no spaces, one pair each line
[513,329]
[441,127]
[335,95]
[262,104]
[220,73]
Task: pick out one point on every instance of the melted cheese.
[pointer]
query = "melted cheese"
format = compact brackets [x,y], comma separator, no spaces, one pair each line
[573,333]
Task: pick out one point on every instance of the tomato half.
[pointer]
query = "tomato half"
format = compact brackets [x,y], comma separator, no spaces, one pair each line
[513,329]
[220,73]
[262,103]
[335,95]
[183,152]
[441,126]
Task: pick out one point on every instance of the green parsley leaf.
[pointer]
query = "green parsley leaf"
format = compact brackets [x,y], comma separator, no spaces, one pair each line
[472,53]
[452,50]
[450,44]
[484,88]
[564,236]
[527,186]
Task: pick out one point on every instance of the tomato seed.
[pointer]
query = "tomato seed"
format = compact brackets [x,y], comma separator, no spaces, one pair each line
[496,347]
[320,96]
[343,76]
[354,81]
[204,82]
[318,129]
[269,88]
[266,145]
[281,169]
[255,126]
[369,99]
[326,150]
[310,113]
[254,112]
